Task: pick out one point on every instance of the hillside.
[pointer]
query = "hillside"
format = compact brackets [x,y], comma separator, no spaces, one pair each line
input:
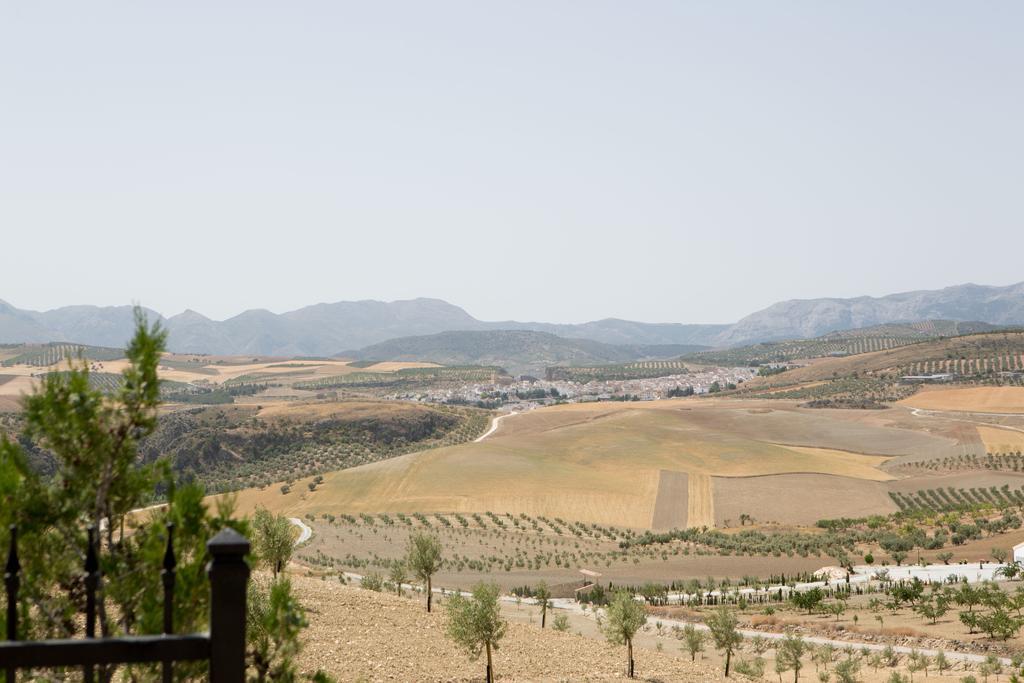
[839,343]
[971,356]
[388,638]
[519,351]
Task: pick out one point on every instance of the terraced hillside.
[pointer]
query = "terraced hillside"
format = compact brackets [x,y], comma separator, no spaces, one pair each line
[44,355]
[621,371]
[405,378]
[839,344]
[979,357]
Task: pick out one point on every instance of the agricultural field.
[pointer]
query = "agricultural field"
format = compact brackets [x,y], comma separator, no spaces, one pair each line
[200,379]
[983,399]
[975,357]
[844,392]
[646,465]
[622,371]
[840,344]
[800,349]
[45,355]
[402,377]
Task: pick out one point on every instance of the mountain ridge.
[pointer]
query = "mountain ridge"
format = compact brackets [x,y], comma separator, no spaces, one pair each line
[326,329]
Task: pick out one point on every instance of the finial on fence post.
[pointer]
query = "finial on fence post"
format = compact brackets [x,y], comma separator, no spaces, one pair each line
[229,576]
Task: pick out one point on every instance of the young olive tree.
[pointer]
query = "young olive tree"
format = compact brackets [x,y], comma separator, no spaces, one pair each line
[398,575]
[543,595]
[272,540]
[693,641]
[624,616]
[423,557]
[790,654]
[475,623]
[722,624]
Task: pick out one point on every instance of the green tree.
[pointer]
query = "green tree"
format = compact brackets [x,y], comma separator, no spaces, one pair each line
[693,641]
[95,481]
[543,597]
[475,623]
[917,661]
[274,620]
[272,539]
[398,575]
[722,625]
[932,608]
[790,653]
[423,557]
[624,616]
[808,600]
[847,670]
[561,623]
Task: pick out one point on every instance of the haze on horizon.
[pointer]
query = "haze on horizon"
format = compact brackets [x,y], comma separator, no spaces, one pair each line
[556,161]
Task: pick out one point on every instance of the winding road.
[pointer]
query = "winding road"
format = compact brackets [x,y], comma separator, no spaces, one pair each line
[494,426]
[305,531]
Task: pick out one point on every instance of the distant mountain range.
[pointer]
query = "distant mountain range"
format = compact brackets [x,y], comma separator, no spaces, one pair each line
[328,329]
[806,318]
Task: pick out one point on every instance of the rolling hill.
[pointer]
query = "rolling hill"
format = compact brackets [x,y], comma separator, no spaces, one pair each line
[972,355]
[839,343]
[519,351]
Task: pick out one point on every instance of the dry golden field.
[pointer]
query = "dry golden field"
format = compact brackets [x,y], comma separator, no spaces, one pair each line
[209,371]
[998,440]
[984,399]
[664,464]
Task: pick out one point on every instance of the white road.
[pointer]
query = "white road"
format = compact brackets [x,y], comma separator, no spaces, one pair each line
[494,426]
[305,531]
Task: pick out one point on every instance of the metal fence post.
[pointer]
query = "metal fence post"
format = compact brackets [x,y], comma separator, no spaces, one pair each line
[12,582]
[229,576]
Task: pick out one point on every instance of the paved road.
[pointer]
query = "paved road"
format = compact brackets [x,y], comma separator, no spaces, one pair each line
[494,426]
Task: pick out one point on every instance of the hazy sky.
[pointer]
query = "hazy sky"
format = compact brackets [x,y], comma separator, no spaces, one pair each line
[561,161]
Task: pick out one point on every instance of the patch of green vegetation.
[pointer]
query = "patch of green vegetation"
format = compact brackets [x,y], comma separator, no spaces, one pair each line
[621,371]
[944,499]
[845,392]
[229,448]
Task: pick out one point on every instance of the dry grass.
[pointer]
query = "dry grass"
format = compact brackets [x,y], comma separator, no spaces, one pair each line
[359,635]
[998,440]
[700,510]
[602,463]
[972,399]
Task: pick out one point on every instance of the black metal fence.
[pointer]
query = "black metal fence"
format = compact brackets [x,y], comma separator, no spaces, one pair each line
[223,646]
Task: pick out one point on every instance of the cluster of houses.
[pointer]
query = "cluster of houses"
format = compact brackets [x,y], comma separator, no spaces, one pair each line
[524,393]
